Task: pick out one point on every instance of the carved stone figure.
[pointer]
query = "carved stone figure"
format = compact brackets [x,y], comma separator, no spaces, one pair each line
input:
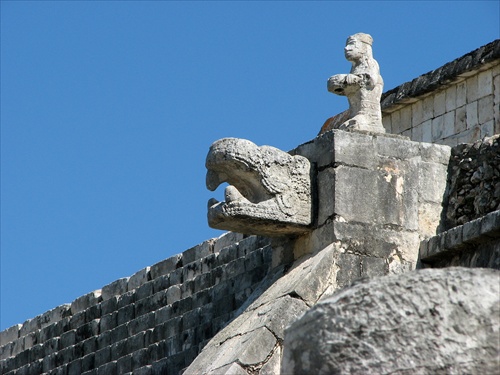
[363,87]
[269,192]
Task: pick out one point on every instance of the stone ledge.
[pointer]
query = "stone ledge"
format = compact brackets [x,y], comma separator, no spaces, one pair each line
[478,231]
[460,68]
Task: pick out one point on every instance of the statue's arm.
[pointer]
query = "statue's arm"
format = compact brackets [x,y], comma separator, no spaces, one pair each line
[338,83]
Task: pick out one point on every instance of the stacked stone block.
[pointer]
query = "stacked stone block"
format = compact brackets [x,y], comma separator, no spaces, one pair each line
[155,322]
[474,181]
[378,197]
[457,103]
[473,244]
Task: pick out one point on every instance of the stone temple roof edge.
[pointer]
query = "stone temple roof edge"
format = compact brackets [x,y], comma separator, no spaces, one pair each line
[478,59]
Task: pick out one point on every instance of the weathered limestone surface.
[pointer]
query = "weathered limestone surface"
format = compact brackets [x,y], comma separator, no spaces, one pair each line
[154,322]
[253,340]
[474,244]
[363,87]
[453,104]
[426,322]
[378,197]
[269,192]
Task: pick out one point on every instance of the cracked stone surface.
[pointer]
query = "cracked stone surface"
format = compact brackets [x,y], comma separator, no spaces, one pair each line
[269,192]
[253,339]
[432,321]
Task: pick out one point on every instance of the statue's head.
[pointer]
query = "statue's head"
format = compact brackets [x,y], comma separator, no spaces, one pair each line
[358,46]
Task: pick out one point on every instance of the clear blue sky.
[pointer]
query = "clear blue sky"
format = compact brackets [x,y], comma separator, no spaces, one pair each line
[108,110]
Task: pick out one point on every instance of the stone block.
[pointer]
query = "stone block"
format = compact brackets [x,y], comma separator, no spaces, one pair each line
[226,239]
[141,323]
[135,343]
[87,330]
[485,109]
[393,147]
[451,98]
[145,370]
[461,93]
[115,288]
[199,251]
[119,349]
[326,195]
[372,267]
[434,153]
[438,131]
[355,192]
[109,306]
[485,83]
[208,263]
[472,89]
[68,339]
[158,284]
[487,129]
[490,224]
[427,107]
[191,270]
[147,289]
[166,266]
[124,364]
[471,231]
[235,268]
[417,133]
[105,339]
[126,299]
[247,349]
[139,278]
[427,131]
[202,298]
[88,362]
[108,322]
[172,327]
[345,333]
[173,294]
[175,277]
[89,345]
[429,218]
[319,150]
[119,333]
[125,315]
[346,146]
[472,115]
[203,281]
[84,302]
[10,334]
[406,121]
[107,369]
[432,182]
[162,315]
[440,103]
[75,367]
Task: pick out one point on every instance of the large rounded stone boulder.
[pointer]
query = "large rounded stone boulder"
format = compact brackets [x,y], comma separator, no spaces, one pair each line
[433,321]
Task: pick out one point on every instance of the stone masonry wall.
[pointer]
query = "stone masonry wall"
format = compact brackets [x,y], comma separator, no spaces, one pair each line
[474,181]
[457,103]
[379,198]
[155,322]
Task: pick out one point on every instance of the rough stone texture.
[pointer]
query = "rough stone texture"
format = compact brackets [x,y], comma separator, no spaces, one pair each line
[474,181]
[269,191]
[429,322]
[246,290]
[474,244]
[363,87]
[378,196]
[155,322]
[253,339]
[456,103]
